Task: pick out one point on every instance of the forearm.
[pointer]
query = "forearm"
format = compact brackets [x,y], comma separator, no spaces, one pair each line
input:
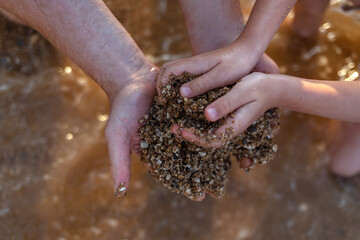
[212,24]
[265,19]
[87,32]
[330,99]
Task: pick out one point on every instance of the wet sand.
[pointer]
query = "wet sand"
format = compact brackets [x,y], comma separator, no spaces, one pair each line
[55,181]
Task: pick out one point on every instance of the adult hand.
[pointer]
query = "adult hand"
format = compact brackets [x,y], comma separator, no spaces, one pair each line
[128,105]
[101,46]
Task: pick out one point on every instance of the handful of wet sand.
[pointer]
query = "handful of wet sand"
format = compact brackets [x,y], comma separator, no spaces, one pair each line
[185,167]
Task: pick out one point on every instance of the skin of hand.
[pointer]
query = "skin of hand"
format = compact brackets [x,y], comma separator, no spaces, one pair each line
[208,33]
[235,60]
[258,92]
[248,100]
[88,33]
[230,63]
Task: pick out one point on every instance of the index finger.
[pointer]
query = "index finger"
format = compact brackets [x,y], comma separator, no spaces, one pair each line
[194,65]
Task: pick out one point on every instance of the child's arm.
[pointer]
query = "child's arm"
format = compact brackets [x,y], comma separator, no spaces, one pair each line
[330,99]
[216,24]
[258,92]
[228,64]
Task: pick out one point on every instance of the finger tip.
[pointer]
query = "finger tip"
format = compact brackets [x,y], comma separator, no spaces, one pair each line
[196,198]
[175,129]
[200,198]
[121,183]
[246,163]
[120,189]
[211,114]
[185,91]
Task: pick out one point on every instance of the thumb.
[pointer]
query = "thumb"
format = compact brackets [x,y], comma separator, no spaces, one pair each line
[119,142]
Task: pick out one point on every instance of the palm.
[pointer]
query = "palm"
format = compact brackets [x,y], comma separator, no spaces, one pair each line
[127,107]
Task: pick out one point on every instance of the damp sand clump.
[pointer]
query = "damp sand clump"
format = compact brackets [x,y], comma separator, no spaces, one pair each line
[183,166]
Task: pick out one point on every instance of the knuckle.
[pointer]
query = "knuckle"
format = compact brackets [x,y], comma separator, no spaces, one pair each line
[174,67]
[254,77]
[166,67]
[198,84]
[163,70]
[254,81]
[226,106]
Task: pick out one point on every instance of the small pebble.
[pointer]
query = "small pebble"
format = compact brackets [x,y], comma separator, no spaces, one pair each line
[144,144]
[202,154]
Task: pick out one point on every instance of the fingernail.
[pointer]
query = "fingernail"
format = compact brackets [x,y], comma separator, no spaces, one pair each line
[120,190]
[185,91]
[211,112]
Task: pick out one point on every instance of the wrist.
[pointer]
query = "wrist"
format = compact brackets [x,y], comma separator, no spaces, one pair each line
[274,90]
[143,74]
[256,45]
[280,87]
[243,46]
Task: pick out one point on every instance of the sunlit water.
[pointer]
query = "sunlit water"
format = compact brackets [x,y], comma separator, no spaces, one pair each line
[55,181]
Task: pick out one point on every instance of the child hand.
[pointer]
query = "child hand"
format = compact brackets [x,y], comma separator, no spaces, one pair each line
[219,68]
[247,100]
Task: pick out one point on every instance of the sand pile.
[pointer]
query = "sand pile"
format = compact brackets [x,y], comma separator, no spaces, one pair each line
[185,167]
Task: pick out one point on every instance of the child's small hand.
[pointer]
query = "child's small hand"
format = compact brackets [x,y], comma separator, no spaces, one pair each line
[219,68]
[247,100]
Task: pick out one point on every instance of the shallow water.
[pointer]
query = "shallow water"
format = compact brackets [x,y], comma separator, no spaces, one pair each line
[55,181]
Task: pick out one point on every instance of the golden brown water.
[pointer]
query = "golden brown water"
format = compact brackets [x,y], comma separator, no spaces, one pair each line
[55,181]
